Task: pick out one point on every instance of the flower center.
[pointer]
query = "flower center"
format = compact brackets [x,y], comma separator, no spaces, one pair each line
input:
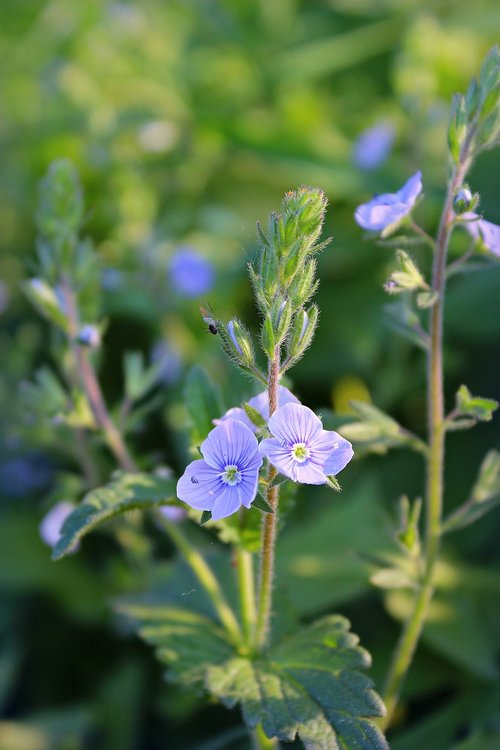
[231,475]
[300,452]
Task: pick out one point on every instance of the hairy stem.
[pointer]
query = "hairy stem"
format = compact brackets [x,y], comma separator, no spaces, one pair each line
[91,386]
[435,456]
[269,526]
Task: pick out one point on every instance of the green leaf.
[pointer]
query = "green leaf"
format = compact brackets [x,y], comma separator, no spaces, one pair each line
[202,402]
[477,407]
[376,432]
[126,492]
[139,379]
[308,685]
[262,504]
[206,516]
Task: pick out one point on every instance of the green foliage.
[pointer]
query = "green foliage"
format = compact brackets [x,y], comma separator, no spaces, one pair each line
[203,403]
[477,408]
[126,492]
[484,497]
[376,432]
[307,686]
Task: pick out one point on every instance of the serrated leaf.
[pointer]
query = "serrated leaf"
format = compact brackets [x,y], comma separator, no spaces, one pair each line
[126,492]
[189,642]
[308,687]
[202,402]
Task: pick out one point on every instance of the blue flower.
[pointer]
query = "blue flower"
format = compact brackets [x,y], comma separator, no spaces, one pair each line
[261,404]
[301,449]
[484,232]
[191,274]
[373,145]
[227,476]
[51,524]
[387,210]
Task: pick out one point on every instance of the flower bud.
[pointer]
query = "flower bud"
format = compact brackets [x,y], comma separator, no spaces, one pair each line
[301,334]
[90,336]
[465,201]
[46,301]
[303,285]
[236,343]
[407,279]
[267,337]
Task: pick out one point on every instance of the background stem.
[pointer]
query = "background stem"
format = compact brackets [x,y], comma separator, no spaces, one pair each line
[408,641]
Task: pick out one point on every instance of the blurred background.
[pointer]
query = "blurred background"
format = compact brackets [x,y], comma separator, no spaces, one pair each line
[188,121]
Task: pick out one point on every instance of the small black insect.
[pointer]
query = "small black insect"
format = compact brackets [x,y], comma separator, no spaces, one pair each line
[194,480]
[208,317]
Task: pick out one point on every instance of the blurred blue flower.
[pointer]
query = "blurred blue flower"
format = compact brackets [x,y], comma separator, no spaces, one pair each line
[372,147]
[387,210]
[23,475]
[261,404]
[227,476]
[191,274]
[484,232]
[168,361]
[301,449]
[173,513]
[51,524]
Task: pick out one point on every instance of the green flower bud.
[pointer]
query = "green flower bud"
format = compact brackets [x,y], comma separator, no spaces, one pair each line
[407,279]
[301,335]
[46,301]
[465,201]
[303,285]
[267,336]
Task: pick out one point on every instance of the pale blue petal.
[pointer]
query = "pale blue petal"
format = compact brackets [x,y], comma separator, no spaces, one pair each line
[294,423]
[230,443]
[339,457]
[239,415]
[280,456]
[309,473]
[199,486]
[227,502]
[411,189]
[261,401]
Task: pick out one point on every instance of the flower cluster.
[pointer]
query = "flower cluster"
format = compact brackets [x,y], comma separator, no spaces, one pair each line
[227,476]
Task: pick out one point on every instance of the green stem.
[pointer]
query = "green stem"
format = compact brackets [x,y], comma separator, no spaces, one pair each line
[435,456]
[269,526]
[91,386]
[119,449]
[205,576]
[246,587]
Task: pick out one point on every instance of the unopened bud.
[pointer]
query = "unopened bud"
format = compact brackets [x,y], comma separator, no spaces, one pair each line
[240,341]
[465,201]
[301,334]
[90,336]
[407,279]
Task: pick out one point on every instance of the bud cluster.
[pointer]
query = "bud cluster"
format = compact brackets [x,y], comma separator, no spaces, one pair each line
[475,116]
[284,278]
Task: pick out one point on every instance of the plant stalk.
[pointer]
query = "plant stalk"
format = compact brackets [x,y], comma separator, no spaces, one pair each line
[269,527]
[119,449]
[246,587]
[408,641]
